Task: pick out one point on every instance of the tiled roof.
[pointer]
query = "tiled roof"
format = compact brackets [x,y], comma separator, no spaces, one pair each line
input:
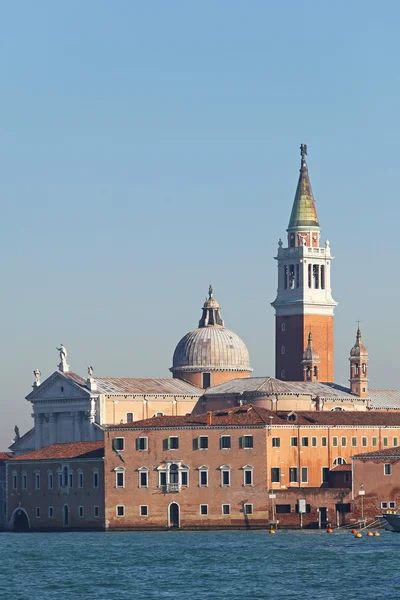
[385,399]
[139,385]
[242,415]
[65,451]
[341,468]
[270,386]
[6,455]
[385,453]
[255,415]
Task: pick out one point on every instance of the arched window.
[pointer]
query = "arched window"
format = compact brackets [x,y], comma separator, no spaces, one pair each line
[65,476]
[283,349]
[283,326]
[339,461]
[173,474]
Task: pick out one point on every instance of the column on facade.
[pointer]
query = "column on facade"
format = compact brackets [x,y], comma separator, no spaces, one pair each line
[53,434]
[38,420]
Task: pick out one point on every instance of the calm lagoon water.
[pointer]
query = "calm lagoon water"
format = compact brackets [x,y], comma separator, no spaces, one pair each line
[198,565]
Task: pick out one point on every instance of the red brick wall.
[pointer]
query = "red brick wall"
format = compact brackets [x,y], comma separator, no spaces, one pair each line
[295,339]
[217,377]
[29,499]
[378,487]
[190,498]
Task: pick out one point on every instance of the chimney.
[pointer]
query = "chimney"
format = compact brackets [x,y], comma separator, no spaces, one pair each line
[209,418]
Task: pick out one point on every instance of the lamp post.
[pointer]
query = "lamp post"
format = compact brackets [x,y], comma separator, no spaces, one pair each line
[361,493]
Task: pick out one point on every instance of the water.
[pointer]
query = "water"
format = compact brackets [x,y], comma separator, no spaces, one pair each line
[219,565]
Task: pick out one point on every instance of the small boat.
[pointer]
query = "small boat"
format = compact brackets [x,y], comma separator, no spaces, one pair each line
[391,521]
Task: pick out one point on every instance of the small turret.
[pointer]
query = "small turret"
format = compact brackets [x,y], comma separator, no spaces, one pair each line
[359,367]
[310,362]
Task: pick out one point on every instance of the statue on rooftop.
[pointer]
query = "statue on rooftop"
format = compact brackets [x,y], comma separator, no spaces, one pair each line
[37,375]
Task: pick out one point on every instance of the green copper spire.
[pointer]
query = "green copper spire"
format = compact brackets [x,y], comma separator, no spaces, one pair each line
[303,211]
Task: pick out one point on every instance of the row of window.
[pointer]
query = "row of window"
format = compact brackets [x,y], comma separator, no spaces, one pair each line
[80,510]
[276,473]
[313,441]
[172,443]
[225,510]
[175,475]
[65,479]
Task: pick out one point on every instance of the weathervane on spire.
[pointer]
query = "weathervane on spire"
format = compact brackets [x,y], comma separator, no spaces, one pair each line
[210,292]
[303,151]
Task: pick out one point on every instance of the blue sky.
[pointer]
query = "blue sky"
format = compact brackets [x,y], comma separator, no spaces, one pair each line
[151,148]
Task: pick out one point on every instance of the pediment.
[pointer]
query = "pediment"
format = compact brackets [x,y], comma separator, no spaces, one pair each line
[57,387]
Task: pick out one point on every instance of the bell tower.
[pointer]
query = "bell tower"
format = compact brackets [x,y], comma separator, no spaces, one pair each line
[304,300]
[359,368]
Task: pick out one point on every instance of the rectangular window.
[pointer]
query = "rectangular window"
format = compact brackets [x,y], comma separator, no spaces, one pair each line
[364,442]
[37,481]
[314,442]
[354,442]
[276,442]
[325,474]
[95,479]
[142,444]
[119,444]
[173,443]
[282,509]
[50,480]
[202,442]
[120,479]
[275,475]
[335,442]
[163,478]
[294,442]
[324,441]
[226,509]
[129,417]
[225,442]
[395,442]
[120,511]
[392,504]
[80,479]
[374,442]
[304,474]
[247,442]
[204,509]
[143,479]
[343,442]
[96,511]
[80,511]
[226,478]
[322,277]
[304,441]
[203,478]
[309,276]
[293,475]
[60,480]
[144,510]
[38,512]
[51,512]
[248,509]
[388,469]
[385,442]
[384,504]
[184,478]
[14,481]
[248,477]
[24,481]
[206,380]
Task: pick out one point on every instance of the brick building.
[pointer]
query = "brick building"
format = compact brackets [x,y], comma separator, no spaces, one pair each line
[59,487]
[220,469]
[377,474]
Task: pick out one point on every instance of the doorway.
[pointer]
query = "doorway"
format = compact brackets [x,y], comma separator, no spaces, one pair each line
[21,522]
[174,515]
[66,515]
[323,516]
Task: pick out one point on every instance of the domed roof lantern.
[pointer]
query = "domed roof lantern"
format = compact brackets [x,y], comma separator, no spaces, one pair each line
[211,311]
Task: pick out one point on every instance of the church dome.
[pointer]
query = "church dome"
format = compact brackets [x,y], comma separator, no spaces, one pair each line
[211,347]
